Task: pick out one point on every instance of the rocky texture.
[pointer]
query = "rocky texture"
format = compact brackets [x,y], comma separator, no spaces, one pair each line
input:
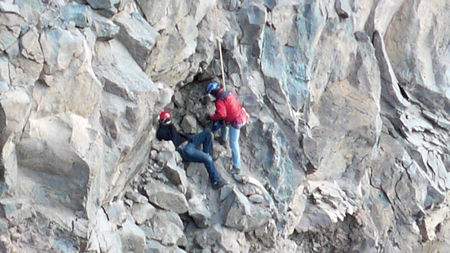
[347,149]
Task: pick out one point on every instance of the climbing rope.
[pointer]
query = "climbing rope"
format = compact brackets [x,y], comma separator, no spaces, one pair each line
[219,45]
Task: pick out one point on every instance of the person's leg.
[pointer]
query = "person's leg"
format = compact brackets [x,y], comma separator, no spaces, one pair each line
[234,143]
[192,154]
[204,138]
[224,133]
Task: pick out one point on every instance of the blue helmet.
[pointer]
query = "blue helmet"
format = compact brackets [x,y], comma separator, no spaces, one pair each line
[212,87]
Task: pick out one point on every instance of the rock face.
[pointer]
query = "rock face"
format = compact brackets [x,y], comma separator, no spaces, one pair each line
[347,148]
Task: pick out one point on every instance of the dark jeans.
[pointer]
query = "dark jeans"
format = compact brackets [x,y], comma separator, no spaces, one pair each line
[191,153]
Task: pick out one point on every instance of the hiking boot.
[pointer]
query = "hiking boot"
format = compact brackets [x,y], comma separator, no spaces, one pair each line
[218,184]
[214,155]
[235,171]
[222,142]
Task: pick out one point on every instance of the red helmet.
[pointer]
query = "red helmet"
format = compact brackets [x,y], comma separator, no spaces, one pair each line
[165,116]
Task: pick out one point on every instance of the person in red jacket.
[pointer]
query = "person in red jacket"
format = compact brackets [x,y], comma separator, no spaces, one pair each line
[230,112]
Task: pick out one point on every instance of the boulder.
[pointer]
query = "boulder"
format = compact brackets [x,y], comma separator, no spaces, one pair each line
[329,200]
[267,234]
[104,28]
[343,8]
[136,197]
[156,247]
[137,36]
[116,212]
[104,235]
[207,237]
[243,215]
[132,237]
[166,197]
[105,7]
[199,211]
[252,18]
[189,124]
[176,175]
[166,228]
[142,212]
[11,21]
[78,14]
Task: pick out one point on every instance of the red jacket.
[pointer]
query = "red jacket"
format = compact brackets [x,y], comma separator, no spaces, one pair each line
[228,109]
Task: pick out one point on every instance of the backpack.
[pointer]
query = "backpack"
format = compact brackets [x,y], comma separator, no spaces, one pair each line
[242,119]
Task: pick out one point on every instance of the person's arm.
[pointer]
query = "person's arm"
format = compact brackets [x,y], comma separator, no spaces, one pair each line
[164,132]
[221,111]
[159,133]
[188,137]
[174,131]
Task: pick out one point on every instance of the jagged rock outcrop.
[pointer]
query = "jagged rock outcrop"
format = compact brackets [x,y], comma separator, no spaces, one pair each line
[347,149]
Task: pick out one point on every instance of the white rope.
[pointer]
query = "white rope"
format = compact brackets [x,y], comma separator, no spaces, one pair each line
[219,45]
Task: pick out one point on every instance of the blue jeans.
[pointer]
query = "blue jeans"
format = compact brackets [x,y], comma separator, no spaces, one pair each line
[234,143]
[191,153]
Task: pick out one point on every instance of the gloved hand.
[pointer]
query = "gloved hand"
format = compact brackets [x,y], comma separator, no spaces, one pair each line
[216,126]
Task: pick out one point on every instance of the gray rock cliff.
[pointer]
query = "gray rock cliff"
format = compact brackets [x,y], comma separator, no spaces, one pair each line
[347,149]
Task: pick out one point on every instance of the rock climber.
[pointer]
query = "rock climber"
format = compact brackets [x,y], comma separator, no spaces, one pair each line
[188,146]
[233,115]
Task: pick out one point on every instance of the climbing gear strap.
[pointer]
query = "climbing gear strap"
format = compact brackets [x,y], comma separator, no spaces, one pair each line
[224,95]
[219,45]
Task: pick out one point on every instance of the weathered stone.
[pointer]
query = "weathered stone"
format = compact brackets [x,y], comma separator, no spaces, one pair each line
[327,199]
[132,237]
[348,100]
[15,213]
[166,197]
[104,29]
[4,74]
[31,47]
[189,124]
[137,35]
[10,29]
[176,174]
[256,198]
[156,247]
[27,68]
[9,7]
[116,212]
[165,227]
[136,197]
[104,235]
[207,237]
[165,95]
[199,212]
[142,212]
[297,207]
[163,145]
[244,216]
[16,105]
[79,14]
[342,8]
[230,240]
[252,19]
[105,7]
[167,158]
[164,14]
[267,234]
[65,158]
[70,59]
